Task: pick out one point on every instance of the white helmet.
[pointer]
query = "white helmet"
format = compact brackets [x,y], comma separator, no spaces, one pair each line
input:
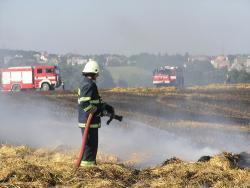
[91,67]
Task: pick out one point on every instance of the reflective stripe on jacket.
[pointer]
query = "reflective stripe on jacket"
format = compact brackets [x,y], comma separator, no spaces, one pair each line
[88,99]
[82,125]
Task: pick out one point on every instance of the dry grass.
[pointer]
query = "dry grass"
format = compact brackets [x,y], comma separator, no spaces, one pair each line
[25,167]
[220,171]
[222,86]
[143,90]
[165,90]
[159,91]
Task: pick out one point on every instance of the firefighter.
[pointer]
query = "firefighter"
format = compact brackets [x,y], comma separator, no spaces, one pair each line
[63,87]
[90,101]
[228,78]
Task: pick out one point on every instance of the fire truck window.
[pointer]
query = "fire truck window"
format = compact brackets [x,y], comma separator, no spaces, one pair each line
[39,71]
[49,70]
[162,72]
[167,71]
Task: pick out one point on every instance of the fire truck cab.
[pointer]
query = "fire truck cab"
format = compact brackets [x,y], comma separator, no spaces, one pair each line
[36,77]
[168,76]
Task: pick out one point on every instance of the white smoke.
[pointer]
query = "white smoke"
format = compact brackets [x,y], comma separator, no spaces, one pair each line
[153,145]
[35,122]
[39,122]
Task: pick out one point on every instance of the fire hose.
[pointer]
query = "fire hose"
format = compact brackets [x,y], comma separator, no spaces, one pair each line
[86,130]
[84,139]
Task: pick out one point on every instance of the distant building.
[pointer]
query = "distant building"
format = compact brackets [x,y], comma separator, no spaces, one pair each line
[76,60]
[44,57]
[18,56]
[221,62]
[192,59]
[237,66]
[248,62]
[116,60]
[241,62]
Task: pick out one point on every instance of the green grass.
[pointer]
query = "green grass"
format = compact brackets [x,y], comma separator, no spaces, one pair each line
[130,76]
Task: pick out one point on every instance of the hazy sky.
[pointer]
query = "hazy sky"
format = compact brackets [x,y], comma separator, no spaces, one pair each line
[126,26]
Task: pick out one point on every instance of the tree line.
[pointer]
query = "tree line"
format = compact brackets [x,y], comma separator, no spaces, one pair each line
[195,73]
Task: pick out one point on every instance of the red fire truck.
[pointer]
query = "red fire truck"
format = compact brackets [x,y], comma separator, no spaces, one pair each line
[168,76]
[36,77]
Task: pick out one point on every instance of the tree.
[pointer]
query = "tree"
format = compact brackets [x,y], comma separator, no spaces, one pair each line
[199,73]
[239,76]
[71,75]
[243,77]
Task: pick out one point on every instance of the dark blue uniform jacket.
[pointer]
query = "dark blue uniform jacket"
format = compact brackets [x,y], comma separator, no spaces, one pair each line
[88,98]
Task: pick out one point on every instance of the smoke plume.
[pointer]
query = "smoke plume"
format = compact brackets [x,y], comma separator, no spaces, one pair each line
[38,122]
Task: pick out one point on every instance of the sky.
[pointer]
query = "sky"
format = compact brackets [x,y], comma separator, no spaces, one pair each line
[126,26]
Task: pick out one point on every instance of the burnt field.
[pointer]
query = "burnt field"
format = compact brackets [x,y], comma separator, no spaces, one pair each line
[223,105]
[159,124]
[210,116]
[200,113]
[217,104]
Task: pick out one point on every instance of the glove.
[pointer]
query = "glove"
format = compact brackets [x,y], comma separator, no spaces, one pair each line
[108,109]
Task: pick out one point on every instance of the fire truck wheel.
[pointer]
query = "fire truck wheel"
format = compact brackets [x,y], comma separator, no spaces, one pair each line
[16,88]
[45,87]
